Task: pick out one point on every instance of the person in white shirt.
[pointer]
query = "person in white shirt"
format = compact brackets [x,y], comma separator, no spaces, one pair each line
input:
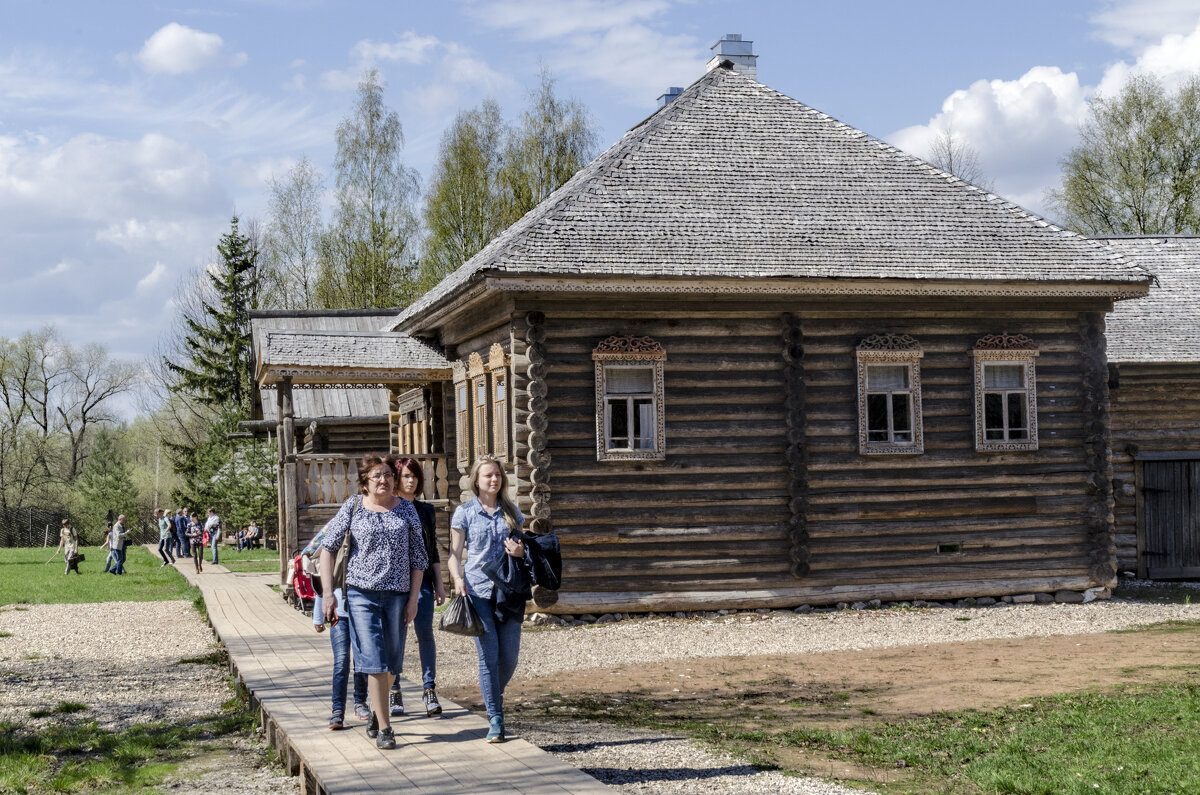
[212,525]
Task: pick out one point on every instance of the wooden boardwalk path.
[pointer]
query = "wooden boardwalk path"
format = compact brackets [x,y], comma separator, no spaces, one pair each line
[287,668]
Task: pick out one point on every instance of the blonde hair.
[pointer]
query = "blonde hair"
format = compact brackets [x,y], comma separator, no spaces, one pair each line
[506,505]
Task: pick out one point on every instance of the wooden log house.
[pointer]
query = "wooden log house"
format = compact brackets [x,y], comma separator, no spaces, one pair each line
[753,357]
[1154,380]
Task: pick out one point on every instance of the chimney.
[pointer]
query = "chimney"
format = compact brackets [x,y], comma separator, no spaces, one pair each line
[739,53]
[669,95]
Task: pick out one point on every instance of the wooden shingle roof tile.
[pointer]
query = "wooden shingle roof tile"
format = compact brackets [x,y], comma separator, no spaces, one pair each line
[1164,326]
[733,179]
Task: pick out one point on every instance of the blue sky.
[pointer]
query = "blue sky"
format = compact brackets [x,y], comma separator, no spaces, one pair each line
[130,132]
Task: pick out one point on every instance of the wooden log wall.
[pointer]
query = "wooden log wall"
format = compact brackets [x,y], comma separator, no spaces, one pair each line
[1013,516]
[347,438]
[1155,409]
[713,515]
[764,495]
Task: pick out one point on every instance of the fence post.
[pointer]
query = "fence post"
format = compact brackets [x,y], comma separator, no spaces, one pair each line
[46,537]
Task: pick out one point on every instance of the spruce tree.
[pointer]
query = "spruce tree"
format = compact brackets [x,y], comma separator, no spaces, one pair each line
[219,370]
[106,484]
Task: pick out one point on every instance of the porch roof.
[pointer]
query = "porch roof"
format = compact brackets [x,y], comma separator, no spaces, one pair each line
[348,357]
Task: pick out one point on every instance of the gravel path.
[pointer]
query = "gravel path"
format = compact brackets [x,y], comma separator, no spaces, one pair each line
[123,660]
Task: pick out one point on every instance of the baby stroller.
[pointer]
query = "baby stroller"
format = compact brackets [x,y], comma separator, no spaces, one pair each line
[302,588]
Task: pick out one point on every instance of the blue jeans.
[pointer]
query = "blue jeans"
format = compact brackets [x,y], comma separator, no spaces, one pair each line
[119,554]
[375,621]
[110,560]
[185,549]
[339,638]
[497,648]
[423,627]
[214,548]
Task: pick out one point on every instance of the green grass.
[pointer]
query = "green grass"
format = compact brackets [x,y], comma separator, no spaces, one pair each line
[69,757]
[248,560]
[25,577]
[1125,740]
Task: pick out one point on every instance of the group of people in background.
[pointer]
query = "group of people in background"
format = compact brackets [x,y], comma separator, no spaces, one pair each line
[394,578]
[179,536]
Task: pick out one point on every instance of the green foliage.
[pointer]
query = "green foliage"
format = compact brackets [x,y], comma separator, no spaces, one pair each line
[106,485]
[219,370]
[69,757]
[1143,739]
[26,578]
[1137,168]
[234,476]
[555,138]
[463,207]
[489,175]
[365,256]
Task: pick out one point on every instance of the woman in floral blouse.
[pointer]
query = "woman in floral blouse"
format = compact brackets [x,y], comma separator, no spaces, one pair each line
[387,558]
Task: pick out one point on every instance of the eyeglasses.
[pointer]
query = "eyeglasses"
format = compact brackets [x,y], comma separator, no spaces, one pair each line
[377,476]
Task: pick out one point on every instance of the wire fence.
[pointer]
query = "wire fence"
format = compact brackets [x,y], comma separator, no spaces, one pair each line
[39,527]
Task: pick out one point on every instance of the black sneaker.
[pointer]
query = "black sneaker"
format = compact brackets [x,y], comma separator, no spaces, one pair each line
[397,703]
[335,721]
[432,707]
[386,739]
[373,726]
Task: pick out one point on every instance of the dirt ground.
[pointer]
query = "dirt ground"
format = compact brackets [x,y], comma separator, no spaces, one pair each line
[838,690]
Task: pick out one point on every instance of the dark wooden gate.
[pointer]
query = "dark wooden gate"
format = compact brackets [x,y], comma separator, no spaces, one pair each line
[1171,500]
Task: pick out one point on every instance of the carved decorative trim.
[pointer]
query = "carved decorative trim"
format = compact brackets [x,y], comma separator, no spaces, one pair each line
[460,371]
[1016,348]
[1098,446]
[895,349]
[349,379]
[630,349]
[1005,342]
[814,287]
[497,358]
[475,365]
[538,456]
[899,343]
[797,446]
[628,346]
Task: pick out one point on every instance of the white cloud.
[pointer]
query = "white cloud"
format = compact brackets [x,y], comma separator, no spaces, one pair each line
[1020,128]
[615,43]
[298,82]
[153,279]
[1137,24]
[177,49]
[1173,59]
[536,20]
[409,48]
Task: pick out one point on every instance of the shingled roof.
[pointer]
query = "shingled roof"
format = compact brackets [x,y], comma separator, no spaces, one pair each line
[735,180]
[1165,325]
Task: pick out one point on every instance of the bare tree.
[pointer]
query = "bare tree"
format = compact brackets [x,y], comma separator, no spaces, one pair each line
[950,152]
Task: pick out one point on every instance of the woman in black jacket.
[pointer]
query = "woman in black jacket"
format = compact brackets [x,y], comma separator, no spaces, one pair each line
[410,483]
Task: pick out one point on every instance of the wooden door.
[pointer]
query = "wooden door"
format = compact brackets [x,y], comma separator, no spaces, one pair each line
[1171,500]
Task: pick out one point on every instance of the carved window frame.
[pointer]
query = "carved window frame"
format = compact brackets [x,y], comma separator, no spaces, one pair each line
[462,415]
[1006,349]
[501,392]
[480,406]
[630,351]
[896,350]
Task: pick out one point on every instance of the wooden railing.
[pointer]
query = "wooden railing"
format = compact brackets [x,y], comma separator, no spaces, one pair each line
[329,479]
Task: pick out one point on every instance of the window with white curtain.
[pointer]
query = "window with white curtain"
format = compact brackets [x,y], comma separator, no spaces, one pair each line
[629,399]
[889,395]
